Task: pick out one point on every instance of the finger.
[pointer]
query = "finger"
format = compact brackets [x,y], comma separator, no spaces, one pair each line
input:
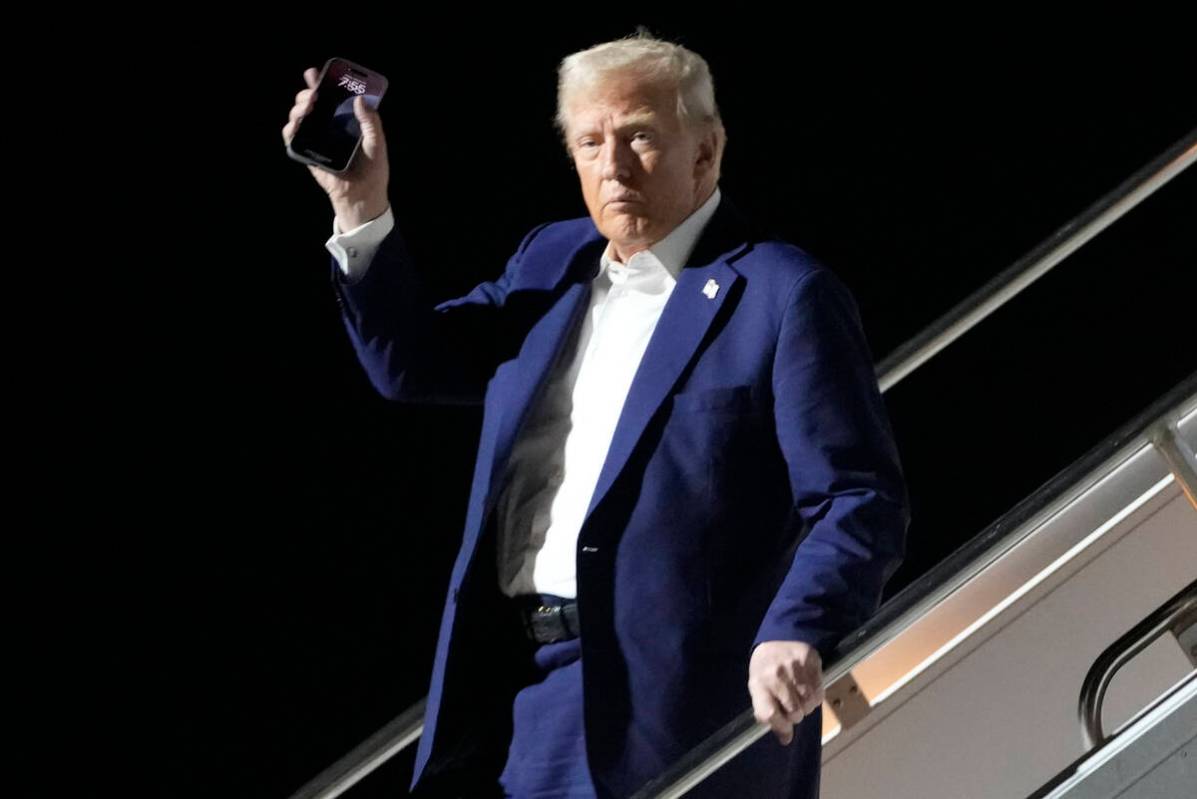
[366,113]
[783,728]
[812,698]
[310,76]
[812,688]
[303,95]
[298,112]
[370,124]
[780,723]
[811,701]
[787,685]
[767,711]
[761,706]
[788,696]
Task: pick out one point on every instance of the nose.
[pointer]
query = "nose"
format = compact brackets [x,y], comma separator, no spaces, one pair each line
[616,160]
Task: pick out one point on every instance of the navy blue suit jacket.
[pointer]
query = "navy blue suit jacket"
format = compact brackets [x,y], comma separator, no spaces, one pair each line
[752,490]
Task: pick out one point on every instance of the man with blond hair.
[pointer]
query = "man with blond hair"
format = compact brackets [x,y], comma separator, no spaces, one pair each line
[687,489]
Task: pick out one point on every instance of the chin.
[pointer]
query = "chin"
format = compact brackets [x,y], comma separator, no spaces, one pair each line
[628,230]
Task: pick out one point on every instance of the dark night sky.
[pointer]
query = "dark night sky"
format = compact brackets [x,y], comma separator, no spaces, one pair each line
[290,534]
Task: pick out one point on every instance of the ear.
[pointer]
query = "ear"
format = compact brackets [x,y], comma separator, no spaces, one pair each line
[707,158]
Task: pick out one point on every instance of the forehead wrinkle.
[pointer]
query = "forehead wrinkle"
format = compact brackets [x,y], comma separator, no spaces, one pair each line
[638,118]
[645,116]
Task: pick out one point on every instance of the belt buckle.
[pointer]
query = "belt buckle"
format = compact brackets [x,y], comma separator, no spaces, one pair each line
[544,624]
[551,622]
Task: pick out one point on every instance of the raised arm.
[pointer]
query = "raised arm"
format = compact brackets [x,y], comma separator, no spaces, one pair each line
[411,350]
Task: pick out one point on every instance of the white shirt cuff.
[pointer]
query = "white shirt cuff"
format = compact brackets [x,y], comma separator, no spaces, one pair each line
[354,249]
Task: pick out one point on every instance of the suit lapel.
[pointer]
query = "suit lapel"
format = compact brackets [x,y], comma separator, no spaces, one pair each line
[571,282]
[677,337]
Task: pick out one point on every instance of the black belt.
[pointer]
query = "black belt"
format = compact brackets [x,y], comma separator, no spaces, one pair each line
[548,618]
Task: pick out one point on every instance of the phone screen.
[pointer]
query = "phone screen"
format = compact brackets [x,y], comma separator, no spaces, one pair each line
[329,134]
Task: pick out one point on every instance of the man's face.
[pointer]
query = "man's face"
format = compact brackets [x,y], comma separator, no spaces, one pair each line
[642,172]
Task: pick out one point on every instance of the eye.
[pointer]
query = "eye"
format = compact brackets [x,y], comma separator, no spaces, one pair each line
[642,135]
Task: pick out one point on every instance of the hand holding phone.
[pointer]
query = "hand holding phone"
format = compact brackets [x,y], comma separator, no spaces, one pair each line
[334,128]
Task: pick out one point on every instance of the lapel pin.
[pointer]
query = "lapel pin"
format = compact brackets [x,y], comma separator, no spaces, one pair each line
[711,289]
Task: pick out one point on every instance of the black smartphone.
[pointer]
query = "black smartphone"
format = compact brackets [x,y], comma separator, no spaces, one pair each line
[329,135]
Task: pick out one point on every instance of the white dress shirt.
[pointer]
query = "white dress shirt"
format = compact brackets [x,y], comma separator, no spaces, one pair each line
[354,249]
[556,459]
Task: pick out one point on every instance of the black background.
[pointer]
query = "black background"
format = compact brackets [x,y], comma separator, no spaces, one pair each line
[261,584]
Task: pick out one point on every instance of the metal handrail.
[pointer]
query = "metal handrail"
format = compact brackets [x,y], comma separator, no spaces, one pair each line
[1175,615]
[743,731]
[1166,703]
[740,733]
[1036,263]
[1180,459]
[364,758]
[952,573]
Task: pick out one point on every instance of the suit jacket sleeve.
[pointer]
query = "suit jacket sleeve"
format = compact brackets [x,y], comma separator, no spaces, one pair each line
[843,465]
[412,350]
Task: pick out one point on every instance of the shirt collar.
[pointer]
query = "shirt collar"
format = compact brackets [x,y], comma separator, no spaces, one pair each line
[671,252]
